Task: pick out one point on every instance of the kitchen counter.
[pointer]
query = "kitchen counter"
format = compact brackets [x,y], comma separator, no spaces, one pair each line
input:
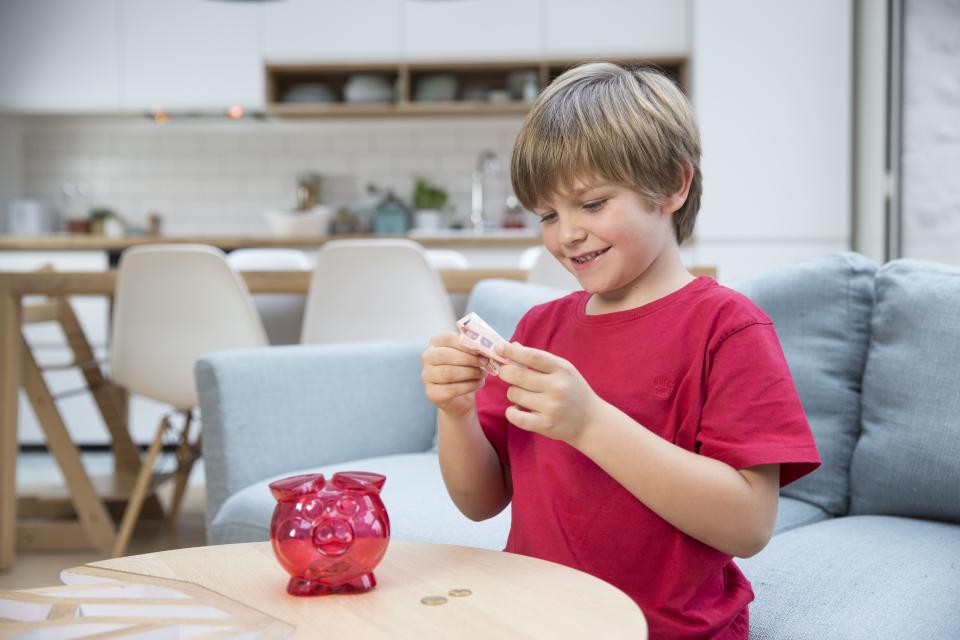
[441,238]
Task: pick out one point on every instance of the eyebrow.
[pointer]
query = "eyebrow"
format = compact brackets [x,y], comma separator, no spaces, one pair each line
[578,192]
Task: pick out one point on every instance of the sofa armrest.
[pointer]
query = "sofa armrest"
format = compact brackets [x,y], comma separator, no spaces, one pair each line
[268,411]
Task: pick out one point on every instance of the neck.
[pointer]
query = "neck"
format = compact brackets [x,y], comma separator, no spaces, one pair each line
[665,275]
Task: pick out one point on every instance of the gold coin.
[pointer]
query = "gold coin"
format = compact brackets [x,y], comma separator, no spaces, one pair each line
[460,593]
[433,601]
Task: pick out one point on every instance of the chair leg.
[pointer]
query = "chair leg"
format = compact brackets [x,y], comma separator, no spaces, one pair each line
[187,454]
[139,494]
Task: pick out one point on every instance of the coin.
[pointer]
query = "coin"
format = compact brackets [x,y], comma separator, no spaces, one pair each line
[460,593]
[433,601]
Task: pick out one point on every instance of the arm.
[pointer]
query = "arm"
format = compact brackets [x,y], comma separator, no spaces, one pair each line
[476,481]
[730,510]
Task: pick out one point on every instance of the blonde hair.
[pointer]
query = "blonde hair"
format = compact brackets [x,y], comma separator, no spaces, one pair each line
[599,120]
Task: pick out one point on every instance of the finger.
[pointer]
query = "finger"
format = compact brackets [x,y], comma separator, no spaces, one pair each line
[522,376]
[448,374]
[453,355]
[447,392]
[528,400]
[534,358]
[526,420]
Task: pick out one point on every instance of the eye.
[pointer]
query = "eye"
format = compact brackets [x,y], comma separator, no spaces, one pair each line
[595,205]
[547,218]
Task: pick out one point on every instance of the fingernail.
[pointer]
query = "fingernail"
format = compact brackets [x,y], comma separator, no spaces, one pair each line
[484,362]
[500,347]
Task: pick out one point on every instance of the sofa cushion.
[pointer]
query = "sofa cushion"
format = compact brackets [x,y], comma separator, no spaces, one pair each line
[821,310]
[873,577]
[793,513]
[414,495]
[906,462]
[501,303]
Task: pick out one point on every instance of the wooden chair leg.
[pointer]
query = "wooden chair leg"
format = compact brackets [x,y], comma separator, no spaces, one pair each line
[187,454]
[137,497]
[90,509]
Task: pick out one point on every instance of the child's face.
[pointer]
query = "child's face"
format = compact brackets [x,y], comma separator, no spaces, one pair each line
[607,235]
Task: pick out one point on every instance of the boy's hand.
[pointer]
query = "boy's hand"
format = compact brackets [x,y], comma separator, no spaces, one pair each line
[550,397]
[450,375]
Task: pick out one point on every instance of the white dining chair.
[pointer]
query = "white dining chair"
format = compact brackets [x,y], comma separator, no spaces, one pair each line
[173,304]
[546,270]
[446,259]
[375,290]
[281,313]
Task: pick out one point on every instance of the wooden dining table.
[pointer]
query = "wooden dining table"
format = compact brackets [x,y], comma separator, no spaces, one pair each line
[18,368]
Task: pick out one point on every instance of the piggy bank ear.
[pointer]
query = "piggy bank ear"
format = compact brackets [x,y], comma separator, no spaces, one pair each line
[359,480]
[290,489]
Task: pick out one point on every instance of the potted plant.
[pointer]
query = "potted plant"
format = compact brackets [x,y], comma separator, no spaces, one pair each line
[429,201]
[104,221]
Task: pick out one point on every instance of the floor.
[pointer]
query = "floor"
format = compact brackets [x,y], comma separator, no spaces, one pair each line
[42,568]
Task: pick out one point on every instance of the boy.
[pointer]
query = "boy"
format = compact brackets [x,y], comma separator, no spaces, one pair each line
[651,418]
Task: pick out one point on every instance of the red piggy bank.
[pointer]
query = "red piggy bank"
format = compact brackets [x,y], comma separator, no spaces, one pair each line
[329,534]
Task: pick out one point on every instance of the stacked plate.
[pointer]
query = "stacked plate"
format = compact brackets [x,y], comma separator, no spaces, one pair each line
[368,88]
[438,87]
[309,92]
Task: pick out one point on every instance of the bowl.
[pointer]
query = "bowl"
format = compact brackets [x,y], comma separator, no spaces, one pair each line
[285,224]
[309,93]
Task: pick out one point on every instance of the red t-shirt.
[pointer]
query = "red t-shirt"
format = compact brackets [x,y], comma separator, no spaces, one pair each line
[701,367]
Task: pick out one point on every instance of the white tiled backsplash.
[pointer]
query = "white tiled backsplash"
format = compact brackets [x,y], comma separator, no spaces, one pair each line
[217,177]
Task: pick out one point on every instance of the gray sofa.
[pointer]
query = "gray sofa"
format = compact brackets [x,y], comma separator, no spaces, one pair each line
[868,546]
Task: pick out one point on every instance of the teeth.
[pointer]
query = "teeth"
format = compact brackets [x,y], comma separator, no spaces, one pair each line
[588,257]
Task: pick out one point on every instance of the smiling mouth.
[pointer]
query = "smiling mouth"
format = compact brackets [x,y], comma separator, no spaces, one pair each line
[584,259]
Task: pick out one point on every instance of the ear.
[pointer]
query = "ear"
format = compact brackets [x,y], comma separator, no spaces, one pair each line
[677,198]
[359,480]
[289,489]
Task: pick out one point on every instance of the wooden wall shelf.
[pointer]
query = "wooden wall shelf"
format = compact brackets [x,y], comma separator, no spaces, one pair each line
[404,78]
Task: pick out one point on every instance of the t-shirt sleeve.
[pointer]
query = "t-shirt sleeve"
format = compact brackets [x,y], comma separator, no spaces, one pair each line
[492,404]
[751,413]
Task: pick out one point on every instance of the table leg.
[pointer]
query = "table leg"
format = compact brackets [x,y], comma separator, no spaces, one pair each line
[9,397]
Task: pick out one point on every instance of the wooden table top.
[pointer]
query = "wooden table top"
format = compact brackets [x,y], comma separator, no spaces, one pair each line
[511,595]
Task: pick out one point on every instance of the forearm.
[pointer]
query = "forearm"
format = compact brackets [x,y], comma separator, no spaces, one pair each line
[470,467]
[703,497]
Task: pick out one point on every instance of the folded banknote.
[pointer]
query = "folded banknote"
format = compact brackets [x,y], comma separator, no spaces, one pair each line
[479,337]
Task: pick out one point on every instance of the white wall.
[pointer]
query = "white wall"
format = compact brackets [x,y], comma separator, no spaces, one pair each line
[772,86]
[931,131]
[11,160]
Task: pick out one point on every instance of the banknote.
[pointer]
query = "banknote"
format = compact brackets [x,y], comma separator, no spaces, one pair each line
[476,335]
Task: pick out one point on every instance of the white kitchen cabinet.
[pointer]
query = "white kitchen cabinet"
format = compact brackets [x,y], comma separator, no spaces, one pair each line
[471,29]
[59,56]
[311,31]
[650,28]
[190,54]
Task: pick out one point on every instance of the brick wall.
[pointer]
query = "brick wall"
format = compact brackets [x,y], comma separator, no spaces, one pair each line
[219,176]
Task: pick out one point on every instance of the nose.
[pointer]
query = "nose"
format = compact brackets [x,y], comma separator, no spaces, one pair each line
[333,537]
[570,230]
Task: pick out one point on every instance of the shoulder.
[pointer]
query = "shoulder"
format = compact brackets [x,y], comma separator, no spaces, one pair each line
[548,314]
[728,311]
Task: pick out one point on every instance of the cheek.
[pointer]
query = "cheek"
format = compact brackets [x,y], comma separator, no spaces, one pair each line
[551,241]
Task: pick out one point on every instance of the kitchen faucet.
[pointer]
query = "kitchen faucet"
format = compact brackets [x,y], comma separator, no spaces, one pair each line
[487,159]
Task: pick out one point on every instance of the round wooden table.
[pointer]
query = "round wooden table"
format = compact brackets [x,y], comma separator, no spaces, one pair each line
[424,591]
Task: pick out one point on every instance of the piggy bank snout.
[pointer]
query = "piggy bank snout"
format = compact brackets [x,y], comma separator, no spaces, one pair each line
[333,536]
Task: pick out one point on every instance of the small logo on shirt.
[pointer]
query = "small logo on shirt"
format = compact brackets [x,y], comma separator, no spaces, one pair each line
[662,386]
